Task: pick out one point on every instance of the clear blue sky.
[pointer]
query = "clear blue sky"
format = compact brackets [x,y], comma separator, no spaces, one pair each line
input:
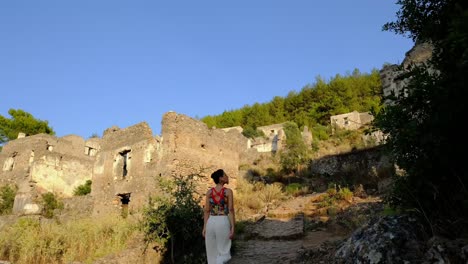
[87,65]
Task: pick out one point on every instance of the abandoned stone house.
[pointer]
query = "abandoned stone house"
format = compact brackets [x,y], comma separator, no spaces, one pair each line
[123,165]
[351,121]
[274,138]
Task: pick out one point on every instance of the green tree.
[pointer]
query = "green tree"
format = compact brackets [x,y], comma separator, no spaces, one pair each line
[21,121]
[422,124]
[314,104]
[49,203]
[174,221]
[7,199]
[276,109]
[294,153]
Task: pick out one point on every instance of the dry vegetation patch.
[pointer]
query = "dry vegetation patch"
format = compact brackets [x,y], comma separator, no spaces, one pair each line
[40,241]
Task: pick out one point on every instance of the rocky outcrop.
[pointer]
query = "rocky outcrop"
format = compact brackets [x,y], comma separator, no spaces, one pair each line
[369,167]
[390,240]
[383,240]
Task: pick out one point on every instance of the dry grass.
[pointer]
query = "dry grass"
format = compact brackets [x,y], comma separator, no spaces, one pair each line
[253,198]
[84,240]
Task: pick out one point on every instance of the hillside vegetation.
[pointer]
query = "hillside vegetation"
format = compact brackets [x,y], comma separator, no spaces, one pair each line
[312,106]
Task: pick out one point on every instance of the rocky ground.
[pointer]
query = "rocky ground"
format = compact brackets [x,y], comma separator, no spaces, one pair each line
[289,233]
[302,231]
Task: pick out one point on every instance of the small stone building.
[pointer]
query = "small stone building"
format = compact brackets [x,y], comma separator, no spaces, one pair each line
[351,121]
[275,137]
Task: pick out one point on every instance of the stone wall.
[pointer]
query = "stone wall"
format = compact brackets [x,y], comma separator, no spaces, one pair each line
[44,163]
[123,177]
[189,146]
[123,165]
[351,121]
[368,167]
[131,160]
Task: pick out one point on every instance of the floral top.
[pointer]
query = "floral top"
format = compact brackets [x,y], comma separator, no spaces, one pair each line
[218,202]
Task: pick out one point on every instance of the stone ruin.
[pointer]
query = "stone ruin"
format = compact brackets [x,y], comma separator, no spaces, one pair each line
[391,75]
[274,139]
[123,165]
[351,121]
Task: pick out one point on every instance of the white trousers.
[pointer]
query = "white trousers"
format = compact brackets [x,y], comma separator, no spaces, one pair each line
[217,241]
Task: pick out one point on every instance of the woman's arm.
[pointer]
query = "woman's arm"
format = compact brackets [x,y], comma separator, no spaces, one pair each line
[206,210]
[232,216]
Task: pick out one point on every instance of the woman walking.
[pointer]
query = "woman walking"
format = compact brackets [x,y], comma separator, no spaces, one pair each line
[219,220]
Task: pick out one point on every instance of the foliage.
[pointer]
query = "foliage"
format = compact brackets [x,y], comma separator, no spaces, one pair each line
[174,221]
[296,189]
[320,132]
[344,194]
[253,198]
[49,242]
[349,137]
[49,203]
[271,193]
[335,194]
[83,189]
[295,152]
[314,104]
[21,121]
[7,199]
[251,132]
[94,135]
[422,122]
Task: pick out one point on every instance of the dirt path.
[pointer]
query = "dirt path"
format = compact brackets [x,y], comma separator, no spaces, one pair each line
[279,237]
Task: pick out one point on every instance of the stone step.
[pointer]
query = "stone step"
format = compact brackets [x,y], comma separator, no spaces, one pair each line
[265,252]
[277,228]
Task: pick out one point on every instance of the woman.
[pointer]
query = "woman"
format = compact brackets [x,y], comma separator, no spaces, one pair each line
[218,228]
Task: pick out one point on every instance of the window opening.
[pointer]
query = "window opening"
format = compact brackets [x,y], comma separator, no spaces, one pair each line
[125,157]
[90,151]
[124,200]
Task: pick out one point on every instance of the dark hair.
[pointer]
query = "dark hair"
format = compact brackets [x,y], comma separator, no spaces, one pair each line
[216,175]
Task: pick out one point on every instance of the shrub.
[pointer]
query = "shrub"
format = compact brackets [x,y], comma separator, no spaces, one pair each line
[333,195]
[49,204]
[174,222]
[250,132]
[7,199]
[252,198]
[296,189]
[320,132]
[331,191]
[345,194]
[271,193]
[83,189]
